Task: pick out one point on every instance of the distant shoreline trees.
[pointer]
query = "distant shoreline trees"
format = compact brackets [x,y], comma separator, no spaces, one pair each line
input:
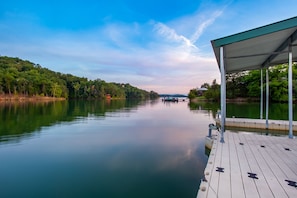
[247,85]
[21,77]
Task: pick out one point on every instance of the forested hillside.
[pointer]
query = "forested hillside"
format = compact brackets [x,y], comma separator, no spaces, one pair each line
[20,77]
[247,84]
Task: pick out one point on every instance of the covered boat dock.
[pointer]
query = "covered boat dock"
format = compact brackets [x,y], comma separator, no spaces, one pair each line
[259,48]
[246,164]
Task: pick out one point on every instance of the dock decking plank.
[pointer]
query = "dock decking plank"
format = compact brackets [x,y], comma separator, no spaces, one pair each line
[249,184]
[260,181]
[279,168]
[224,189]
[243,152]
[215,176]
[266,173]
[289,157]
[236,175]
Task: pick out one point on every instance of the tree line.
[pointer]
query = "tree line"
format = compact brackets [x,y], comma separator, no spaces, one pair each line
[247,84]
[22,77]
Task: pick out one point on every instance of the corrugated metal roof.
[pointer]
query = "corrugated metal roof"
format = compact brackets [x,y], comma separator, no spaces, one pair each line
[260,47]
[202,89]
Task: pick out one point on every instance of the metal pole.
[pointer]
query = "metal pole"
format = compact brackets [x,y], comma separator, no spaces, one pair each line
[261,105]
[290,94]
[223,92]
[267,97]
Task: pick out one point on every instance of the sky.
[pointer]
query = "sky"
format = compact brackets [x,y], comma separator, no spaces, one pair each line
[158,45]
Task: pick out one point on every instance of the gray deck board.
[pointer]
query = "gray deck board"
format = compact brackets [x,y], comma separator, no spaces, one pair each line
[278,164]
[244,153]
[248,184]
[265,174]
[236,175]
[224,182]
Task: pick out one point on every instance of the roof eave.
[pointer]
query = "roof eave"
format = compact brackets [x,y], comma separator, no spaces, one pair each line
[274,27]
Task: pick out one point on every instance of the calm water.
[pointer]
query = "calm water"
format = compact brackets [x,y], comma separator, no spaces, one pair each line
[277,111]
[103,149]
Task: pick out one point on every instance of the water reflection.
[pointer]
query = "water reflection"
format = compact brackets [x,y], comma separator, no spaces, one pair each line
[22,120]
[277,111]
[208,108]
[98,149]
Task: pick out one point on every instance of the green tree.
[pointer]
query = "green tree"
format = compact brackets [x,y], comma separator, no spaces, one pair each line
[56,90]
[205,85]
[8,79]
[278,85]
[193,94]
[23,77]
[76,87]
[236,85]
[213,93]
[252,80]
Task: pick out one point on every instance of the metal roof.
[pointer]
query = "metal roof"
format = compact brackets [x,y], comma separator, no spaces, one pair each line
[202,89]
[258,48]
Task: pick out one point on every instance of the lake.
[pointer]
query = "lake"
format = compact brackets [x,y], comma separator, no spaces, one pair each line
[109,149]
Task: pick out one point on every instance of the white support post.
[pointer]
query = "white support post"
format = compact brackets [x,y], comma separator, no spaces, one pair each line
[223,94]
[261,105]
[267,97]
[290,94]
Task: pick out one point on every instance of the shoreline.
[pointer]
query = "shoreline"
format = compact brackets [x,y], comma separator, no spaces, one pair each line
[235,100]
[22,98]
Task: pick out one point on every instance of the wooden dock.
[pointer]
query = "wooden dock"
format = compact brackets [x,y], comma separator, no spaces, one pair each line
[250,165]
[279,125]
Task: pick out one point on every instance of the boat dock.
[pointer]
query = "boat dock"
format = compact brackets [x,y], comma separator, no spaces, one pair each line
[280,125]
[250,165]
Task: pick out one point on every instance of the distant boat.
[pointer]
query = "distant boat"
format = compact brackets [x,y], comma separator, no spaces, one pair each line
[170,99]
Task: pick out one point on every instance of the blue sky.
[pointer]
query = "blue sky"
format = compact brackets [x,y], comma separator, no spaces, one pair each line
[154,45]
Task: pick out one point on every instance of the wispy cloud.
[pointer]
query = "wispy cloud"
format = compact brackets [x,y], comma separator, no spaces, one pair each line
[144,49]
[201,27]
[171,35]
[153,55]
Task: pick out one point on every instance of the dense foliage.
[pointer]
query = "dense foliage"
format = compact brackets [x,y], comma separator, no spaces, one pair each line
[247,84]
[21,77]
[212,93]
